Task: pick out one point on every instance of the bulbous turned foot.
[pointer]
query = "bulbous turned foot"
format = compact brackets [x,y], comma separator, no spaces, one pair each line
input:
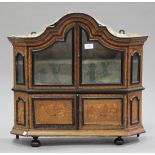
[119,141]
[35,142]
[17,136]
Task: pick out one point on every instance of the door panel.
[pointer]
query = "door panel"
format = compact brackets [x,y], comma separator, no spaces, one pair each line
[53,112]
[99,65]
[54,65]
[101,112]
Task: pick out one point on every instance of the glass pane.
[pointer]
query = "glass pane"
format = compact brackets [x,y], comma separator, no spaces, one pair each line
[19,69]
[53,65]
[135,68]
[100,65]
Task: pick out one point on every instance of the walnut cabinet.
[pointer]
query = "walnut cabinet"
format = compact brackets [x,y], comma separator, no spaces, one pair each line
[77,78]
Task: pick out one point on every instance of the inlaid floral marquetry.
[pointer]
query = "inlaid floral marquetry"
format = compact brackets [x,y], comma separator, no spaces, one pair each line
[102,111]
[53,111]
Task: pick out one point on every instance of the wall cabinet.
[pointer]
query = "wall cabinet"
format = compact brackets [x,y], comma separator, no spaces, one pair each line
[77,78]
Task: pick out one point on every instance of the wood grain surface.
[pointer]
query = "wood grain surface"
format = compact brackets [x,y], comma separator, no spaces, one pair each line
[62,114]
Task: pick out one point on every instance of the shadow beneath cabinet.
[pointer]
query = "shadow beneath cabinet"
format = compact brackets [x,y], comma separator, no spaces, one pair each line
[57,141]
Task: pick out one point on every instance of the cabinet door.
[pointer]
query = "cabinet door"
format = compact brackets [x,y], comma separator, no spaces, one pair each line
[99,65]
[54,65]
[53,111]
[101,111]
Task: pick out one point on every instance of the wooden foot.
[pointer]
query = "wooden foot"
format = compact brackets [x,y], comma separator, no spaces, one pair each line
[17,136]
[138,135]
[35,142]
[119,141]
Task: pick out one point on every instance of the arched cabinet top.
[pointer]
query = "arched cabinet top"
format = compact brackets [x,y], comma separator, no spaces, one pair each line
[58,29]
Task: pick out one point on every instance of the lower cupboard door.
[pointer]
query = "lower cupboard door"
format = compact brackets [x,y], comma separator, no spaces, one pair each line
[54,112]
[101,112]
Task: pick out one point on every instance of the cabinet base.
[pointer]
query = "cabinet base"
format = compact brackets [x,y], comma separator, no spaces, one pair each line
[35,133]
[117,133]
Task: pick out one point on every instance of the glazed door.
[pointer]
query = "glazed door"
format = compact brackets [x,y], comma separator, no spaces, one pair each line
[54,62]
[77,60]
[100,64]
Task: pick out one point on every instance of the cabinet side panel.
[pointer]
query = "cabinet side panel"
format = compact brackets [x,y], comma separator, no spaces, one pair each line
[135,109]
[21,117]
[20,112]
[132,51]
[23,52]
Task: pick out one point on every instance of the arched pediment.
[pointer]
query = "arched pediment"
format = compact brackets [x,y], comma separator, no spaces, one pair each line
[58,29]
